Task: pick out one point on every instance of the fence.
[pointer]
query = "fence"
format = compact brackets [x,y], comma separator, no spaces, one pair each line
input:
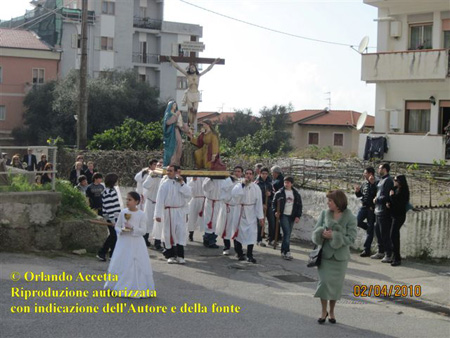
[8,152]
[429,184]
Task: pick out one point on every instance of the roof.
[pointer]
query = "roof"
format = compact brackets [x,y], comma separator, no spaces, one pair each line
[214,116]
[329,117]
[18,38]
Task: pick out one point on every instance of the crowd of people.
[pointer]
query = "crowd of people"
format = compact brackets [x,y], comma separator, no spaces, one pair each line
[253,206]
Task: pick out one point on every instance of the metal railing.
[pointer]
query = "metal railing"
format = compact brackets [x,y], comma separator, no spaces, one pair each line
[145,58]
[147,23]
[38,151]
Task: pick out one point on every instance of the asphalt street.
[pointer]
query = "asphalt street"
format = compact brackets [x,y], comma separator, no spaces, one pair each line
[273,298]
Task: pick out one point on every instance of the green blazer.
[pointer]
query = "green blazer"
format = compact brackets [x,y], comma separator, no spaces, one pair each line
[344,234]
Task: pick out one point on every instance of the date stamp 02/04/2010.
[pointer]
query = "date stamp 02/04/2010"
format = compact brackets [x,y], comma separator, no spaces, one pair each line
[393,290]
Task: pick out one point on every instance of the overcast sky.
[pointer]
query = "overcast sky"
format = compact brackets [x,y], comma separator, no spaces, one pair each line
[264,68]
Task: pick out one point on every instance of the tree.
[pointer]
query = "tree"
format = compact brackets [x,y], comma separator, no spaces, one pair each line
[242,124]
[51,108]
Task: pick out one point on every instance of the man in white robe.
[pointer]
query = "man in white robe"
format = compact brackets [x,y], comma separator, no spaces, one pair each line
[150,186]
[212,191]
[226,219]
[196,206]
[170,208]
[250,211]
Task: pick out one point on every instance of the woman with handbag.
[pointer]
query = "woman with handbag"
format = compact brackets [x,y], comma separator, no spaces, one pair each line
[335,231]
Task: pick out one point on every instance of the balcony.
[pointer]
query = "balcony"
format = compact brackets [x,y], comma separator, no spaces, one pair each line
[147,23]
[75,15]
[431,64]
[145,58]
[411,148]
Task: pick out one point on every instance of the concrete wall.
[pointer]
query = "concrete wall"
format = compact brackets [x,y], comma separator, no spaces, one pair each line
[28,221]
[424,232]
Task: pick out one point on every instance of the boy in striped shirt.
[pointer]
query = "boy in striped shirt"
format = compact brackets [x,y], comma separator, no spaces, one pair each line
[110,209]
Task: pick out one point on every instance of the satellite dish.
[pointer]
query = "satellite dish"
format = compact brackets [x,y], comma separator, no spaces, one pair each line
[363,44]
[361,121]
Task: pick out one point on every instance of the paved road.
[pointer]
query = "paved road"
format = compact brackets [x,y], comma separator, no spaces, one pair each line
[275,298]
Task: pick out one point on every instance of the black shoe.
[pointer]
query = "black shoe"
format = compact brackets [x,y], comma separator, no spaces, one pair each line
[251,260]
[332,320]
[241,258]
[396,263]
[322,320]
[101,257]
[148,244]
[191,236]
[364,254]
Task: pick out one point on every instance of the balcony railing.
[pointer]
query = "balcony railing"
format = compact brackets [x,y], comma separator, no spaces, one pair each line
[146,58]
[147,23]
[431,64]
[75,14]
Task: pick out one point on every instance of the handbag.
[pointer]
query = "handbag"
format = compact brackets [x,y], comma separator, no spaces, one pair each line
[315,257]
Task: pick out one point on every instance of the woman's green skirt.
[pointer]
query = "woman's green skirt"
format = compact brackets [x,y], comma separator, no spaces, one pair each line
[331,279]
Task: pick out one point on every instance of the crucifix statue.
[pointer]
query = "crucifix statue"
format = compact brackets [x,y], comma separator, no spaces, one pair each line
[191,97]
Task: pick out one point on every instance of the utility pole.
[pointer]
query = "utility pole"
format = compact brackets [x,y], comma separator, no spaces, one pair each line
[83,102]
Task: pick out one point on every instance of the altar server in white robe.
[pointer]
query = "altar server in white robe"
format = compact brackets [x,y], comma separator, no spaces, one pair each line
[150,187]
[226,219]
[139,179]
[250,212]
[170,208]
[212,191]
[196,206]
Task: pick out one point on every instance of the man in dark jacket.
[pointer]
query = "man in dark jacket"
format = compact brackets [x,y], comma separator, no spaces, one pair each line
[367,191]
[265,183]
[289,202]
[30,160]
[383,214]
[277,178]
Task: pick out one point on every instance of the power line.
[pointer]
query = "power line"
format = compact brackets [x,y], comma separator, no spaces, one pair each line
[267,28]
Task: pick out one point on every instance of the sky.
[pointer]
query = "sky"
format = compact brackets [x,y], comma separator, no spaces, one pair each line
[265,68]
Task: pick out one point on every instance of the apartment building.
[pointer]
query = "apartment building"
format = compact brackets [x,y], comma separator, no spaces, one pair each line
[411,73]
[122,34]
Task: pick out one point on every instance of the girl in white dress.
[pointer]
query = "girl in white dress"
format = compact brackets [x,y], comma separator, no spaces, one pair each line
[130,261]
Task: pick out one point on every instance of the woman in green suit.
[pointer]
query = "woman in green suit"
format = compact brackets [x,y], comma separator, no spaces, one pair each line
[335,231]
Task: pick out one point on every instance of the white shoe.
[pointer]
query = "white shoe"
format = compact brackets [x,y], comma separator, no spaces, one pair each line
[181,260]
[172,260]
[261,244]
[288,256]
[226,252]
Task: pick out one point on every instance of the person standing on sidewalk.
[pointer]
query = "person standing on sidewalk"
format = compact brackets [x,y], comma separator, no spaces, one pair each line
[399,199]
[383,214]
[367,191]
[290,203]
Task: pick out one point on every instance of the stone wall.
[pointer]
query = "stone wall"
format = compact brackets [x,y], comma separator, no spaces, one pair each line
[425,232]
[28,221]
[125,163]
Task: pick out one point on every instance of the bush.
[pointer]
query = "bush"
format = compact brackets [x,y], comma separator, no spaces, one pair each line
[73,202]
[131,135]
[19,183]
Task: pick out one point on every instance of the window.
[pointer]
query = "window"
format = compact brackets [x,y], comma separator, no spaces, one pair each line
[417,116]
[108,7]
[2,113]
[313,138]
[142,77]
[420,36]
[142,12]
[38,76]
[107,43]
[181,82]
[447,39]
[338,140]
[1,74]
